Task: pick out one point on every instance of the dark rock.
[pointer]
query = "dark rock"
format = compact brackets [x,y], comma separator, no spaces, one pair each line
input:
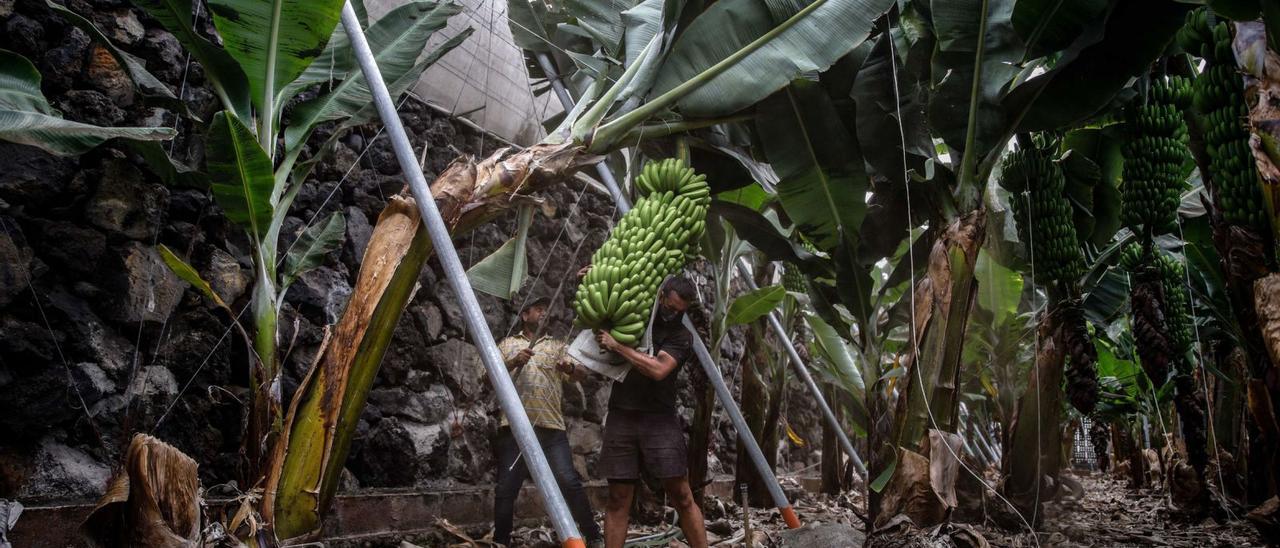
[420,381]
[121,25]
[408,352]
[154,383]
[323,290]
[471,453]
[164,48]
[358,233]
[822,534]
[106,75]
[225,277]
[145,289]
[125,204]
[460,365]
[61,66]
[495,311]
[402,453]
[25,36]
[430,406]
[584,437]
[15,263]
[90,338]
[60,472]
[91,107]
[32,176]
[73,247]
[187,204]
[91,382]
[431,321]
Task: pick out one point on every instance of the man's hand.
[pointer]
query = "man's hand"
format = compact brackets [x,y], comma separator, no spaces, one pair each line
[606,341]
[582,272]
[565,366]
[522,357]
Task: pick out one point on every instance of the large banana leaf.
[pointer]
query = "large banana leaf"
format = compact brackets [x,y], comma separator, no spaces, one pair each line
[503,272]
[973,64]
[309,251]
[602,19]
[888,113]
[220,68]
[822,182]
[1098,66]
[27,118]
[274,41]
[397,41]
[1046,26]
[753,305]
[761,57]
[240,173]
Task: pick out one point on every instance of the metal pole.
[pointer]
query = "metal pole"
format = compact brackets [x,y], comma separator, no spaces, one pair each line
[745,272]
[699,348]
[510,402]
[740,424]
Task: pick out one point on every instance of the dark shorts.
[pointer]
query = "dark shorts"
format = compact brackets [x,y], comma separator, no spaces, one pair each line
[633,439]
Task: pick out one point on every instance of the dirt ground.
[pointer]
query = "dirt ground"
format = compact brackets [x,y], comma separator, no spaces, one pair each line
[1104,513]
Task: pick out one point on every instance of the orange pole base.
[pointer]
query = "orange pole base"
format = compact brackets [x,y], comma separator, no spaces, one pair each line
[789,516]
[574,543]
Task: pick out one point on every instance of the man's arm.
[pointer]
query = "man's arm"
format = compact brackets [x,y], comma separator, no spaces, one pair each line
[571,369]
[654,367]
[513,355]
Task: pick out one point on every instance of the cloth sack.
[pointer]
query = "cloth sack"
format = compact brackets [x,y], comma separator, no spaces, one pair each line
[588,352]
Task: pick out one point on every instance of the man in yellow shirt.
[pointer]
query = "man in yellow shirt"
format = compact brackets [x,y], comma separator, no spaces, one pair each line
[539,366]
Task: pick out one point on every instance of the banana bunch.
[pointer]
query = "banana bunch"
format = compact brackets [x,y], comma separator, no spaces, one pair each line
[1176,304]
[1154,155]
[671,175]
[1218,98]
[1045,224]
[652,241]
[793,280]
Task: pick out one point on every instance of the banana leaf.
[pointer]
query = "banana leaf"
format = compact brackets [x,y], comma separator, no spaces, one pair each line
[27,118]
[503,272]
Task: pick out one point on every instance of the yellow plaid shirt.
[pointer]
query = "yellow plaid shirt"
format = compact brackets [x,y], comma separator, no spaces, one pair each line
[538,382]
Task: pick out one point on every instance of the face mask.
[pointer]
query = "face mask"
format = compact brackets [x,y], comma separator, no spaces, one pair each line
[667,314]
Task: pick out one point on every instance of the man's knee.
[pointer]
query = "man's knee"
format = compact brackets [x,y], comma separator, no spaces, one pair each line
[619,498]
[678,494]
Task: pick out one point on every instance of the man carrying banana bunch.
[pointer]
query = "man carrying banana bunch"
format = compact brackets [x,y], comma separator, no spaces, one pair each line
[642,428]
[539,365]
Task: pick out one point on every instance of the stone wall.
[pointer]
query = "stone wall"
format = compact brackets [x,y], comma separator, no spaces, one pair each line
[98,339]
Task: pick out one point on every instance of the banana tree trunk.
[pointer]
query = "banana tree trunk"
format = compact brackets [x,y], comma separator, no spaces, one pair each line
[265,417]
[943,301]
[1034,448]
[831,450]
[755,403]
[309,457]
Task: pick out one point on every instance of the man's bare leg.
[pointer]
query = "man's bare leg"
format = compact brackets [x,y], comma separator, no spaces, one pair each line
[617,512]
[681,497]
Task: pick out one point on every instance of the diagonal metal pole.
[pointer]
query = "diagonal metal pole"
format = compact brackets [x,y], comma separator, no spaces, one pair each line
[744,272]
[508,399]
[699,348]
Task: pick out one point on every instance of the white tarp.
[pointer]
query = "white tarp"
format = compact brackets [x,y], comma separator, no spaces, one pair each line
[483,80]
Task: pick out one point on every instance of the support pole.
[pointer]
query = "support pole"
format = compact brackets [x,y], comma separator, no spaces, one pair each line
[803,372]
[508,399]
[699,348]
[740,424]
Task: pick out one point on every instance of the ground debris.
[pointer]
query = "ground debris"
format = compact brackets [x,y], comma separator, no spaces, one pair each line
[1092,510]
